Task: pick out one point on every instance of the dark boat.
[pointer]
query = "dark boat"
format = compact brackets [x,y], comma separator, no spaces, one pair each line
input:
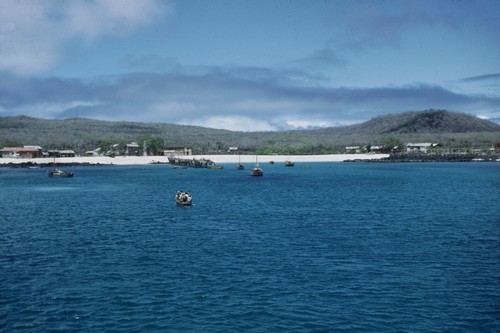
[215,166]
[183,198]
[239,166]
[256,171]
[60,173]
[289,163]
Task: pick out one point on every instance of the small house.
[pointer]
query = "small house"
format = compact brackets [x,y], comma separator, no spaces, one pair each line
[179,151]
[95,152]
[60,153]
[67,153]
[353,149]
[22,152]
[132,149]
[424,147]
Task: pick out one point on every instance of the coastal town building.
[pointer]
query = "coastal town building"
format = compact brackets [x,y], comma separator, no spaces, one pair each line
[95,152]
[353,149]
[132,149]
[424,147]
[60,153]
[377,149]
[178,150]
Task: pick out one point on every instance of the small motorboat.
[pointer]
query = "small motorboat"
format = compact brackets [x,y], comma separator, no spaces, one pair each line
[183,198]
[215,166]
[60,173]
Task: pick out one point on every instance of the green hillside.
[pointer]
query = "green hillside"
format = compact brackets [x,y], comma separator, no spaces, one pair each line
[449,128]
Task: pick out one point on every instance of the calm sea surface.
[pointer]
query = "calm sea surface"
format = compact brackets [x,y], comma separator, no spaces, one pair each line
[320,247]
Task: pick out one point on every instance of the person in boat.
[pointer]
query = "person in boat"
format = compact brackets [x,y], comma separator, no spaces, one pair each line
[184,196]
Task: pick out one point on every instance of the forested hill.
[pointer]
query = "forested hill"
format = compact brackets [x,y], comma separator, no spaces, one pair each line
[429,121]
[449,128]
[90,132]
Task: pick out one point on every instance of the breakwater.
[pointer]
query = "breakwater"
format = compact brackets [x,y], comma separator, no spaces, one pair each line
[49,165]
[401,158]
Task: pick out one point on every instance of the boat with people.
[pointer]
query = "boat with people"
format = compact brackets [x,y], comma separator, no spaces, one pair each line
[183,198]
[289,163]
[60,173]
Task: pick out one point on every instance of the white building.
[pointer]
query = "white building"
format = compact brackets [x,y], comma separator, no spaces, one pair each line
[423,147]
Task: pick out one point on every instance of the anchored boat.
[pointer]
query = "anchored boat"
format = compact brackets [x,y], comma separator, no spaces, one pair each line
[257,170]
[60,173]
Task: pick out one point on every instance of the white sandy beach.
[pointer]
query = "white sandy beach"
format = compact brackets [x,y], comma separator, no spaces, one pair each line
[217,159]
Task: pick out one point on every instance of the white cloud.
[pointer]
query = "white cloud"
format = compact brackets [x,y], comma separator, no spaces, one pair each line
[491,115]
[109,17]
[27,39]
[49,110]
[233,123]
[33,33]
[306,123]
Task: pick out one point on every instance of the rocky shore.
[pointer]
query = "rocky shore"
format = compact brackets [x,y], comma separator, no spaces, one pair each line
[48,165]
[220,159]
[401,158]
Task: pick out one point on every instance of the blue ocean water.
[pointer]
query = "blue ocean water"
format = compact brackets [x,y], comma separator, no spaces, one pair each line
[320,247]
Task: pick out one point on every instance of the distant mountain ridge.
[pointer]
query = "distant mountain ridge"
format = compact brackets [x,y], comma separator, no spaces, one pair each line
[428,121]
[84,134]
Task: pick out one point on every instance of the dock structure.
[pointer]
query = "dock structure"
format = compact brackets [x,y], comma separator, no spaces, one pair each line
[193,162]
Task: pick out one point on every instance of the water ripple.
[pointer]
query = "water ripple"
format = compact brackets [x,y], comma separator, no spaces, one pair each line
[328,248]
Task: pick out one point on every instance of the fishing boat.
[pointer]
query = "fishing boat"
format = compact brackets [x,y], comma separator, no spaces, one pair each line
[183,198]
[256,171]
[60,173]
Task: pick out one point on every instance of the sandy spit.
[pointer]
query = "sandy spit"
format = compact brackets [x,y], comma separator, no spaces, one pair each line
[218,159]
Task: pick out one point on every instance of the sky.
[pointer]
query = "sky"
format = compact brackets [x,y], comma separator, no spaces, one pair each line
[248,65]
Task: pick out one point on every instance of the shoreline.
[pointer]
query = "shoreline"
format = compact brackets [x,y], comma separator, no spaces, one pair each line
[217,159]
[244,159]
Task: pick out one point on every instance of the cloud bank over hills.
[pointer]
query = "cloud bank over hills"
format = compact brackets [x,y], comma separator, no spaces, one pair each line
[248,65]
